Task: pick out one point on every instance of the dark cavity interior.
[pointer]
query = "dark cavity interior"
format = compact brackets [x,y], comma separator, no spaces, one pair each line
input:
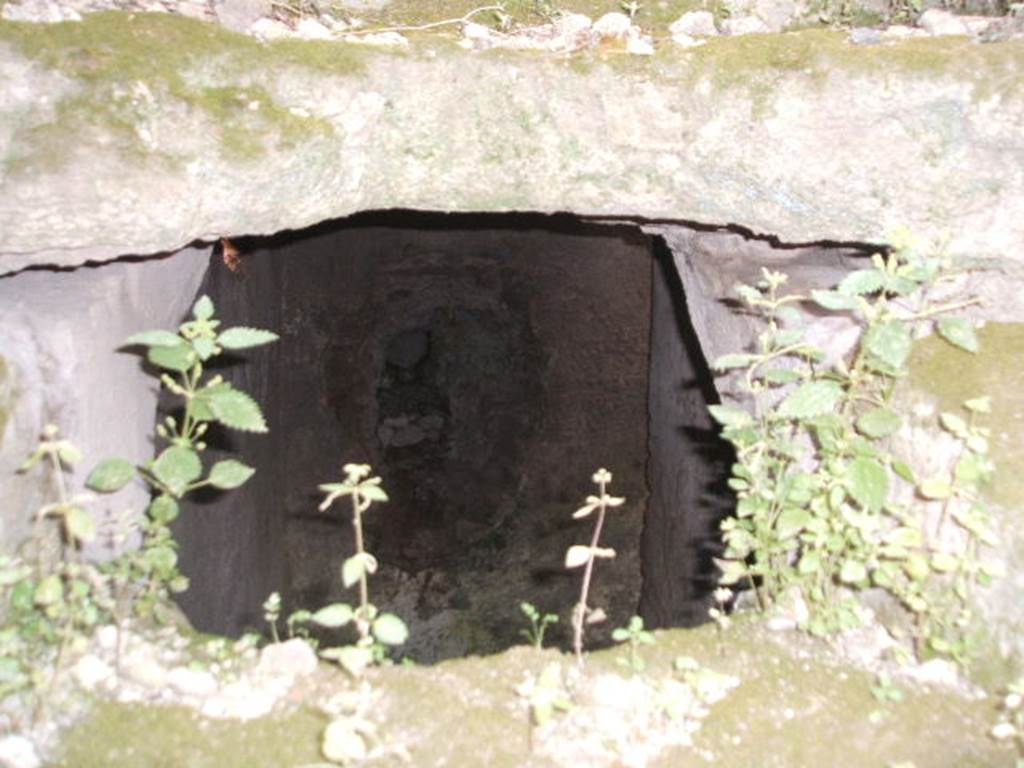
[485,366]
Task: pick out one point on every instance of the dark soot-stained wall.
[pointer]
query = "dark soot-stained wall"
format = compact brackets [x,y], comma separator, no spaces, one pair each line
[485,367]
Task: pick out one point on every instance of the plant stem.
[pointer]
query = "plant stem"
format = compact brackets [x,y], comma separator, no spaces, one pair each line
[364,597]
[581,609]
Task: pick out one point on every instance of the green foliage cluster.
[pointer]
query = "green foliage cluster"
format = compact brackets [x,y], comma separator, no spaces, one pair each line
[55,603]
[182,359]
[824,508]
[52,601]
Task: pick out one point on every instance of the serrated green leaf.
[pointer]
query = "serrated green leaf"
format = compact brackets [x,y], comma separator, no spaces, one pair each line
[333,616]
[732,361]
[917,568]
[959,332]
[935,488]
[79,525]
[176,467]
[68,453]
[730,416]
[979,404]
[163,509]
[243,337]
[155,339]
[791,522]
[233,408]
[878,423]
[809,563]
[373,492]
[904,537]
[868,483]
[229,474]
[205,348]
[834,300]
[972,469]
[788,337]
[903,470]
[862,281]
[389,629]
[162,559]
[815,398]
[978,444]
[110,475]
[944,562]
[953,423]
[179,358]
[354,567]
[203,308]
[899,285]
[48,591]
[780,376]
[889,342]
[852,572]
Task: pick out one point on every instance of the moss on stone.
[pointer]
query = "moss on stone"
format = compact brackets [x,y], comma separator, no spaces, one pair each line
[119,60]
[796,705]
[818,53]
[135,736]
[952,376]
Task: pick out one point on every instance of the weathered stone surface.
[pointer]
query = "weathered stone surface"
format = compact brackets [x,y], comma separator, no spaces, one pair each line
[801,135]
[59,363]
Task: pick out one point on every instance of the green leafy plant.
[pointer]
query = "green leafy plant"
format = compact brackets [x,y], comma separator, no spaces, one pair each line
[376,631]
[822,502]
[52,604]
[534,634]
[181,359]
[634,635]
[545,694]
[579,555]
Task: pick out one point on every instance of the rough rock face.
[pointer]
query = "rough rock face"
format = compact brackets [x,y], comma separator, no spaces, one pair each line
[805,136]
[112,146]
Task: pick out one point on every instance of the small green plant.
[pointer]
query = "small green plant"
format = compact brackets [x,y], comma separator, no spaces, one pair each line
[821,500]
[271,613]
[579,554]
[538,624]
[1010,727]
[635,635]
[630,8]
[376,631]
[53,603]
[181,359]
[718,612]
[545,694]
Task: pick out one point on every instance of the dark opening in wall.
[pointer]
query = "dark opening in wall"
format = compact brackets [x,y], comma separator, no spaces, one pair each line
[484,366]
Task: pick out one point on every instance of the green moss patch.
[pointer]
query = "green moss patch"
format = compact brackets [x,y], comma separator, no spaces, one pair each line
[819,54]
[796,705]
[136,736]
[121,61]
[952,376]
